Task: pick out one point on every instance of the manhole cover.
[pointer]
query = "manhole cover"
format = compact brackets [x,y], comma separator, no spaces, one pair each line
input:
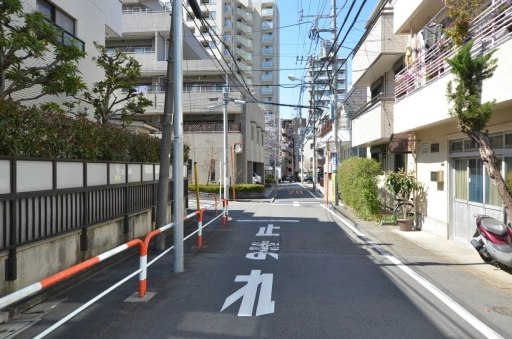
[503,310]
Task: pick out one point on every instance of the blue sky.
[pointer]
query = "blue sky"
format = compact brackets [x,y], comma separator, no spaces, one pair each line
[296,45]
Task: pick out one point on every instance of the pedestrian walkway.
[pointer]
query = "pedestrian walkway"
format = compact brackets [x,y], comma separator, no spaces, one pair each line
[450,250]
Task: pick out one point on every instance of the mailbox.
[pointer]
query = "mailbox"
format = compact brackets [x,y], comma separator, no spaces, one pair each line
[437,176]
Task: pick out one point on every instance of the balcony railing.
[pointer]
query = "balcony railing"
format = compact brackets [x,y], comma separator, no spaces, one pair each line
[373,102]
[210,127]
[490,28]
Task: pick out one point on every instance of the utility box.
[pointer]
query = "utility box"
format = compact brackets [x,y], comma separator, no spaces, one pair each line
[437,176]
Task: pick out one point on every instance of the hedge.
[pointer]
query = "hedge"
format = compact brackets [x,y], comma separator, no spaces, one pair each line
[42,132]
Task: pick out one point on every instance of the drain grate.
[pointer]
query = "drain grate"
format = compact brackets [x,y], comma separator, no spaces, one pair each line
[503,310]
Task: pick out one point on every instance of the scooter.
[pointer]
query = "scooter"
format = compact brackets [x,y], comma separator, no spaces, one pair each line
[493,241]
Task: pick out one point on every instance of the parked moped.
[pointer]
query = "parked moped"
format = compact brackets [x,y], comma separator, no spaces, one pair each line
[493,241]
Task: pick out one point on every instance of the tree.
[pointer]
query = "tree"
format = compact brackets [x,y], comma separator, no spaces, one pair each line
[33,51]
[208,164]
[116,95]
[472,114]
[272,141]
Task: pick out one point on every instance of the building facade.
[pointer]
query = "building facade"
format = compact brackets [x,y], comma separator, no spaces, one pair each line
[145,36]
[86,22]
[243,33]
[405,122]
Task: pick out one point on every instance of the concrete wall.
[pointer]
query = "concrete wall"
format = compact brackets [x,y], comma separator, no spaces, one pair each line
[45,258]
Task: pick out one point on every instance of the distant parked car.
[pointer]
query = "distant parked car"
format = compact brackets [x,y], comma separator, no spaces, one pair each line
[289,177]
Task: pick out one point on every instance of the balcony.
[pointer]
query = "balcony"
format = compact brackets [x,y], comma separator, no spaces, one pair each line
[373,123]
[267,64]
[267,77]
[228,10]
[379,52]
[268,50]
[267,12]
[265,25]
[246,3]
[243,14]
[410,14]
[196,100]
[245,42]
[427,77]
[267,90]
[148,21]
[210,127]
[227,25]
[267,38]
[244,55]
[244,28]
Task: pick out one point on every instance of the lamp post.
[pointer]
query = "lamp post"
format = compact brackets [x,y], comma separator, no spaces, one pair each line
[225,100]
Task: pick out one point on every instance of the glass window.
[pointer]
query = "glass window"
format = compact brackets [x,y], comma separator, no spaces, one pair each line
[476,181]
[496,141]
[461,179]
[45,8]
[470,145]
[508,140]
[213,15]
[456,146]
[491,192]
[65,22]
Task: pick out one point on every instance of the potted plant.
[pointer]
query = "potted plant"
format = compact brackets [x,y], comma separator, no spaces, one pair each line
[403,185]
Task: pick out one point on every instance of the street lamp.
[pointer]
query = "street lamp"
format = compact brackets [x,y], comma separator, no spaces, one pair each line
[224,105]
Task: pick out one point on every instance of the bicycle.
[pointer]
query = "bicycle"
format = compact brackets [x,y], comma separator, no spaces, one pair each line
[404,209]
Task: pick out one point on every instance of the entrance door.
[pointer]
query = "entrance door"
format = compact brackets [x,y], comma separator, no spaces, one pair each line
[473,194]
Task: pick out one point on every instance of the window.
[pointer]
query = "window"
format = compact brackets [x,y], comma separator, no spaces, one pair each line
[56,16]
[476,174]
[461,180]
[62,20]
[213,15]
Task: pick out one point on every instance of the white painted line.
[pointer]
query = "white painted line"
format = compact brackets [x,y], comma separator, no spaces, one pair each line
[452,304]
[317,198]
[268,220]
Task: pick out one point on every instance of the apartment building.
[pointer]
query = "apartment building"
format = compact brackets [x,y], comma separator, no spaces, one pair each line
[243,33]
[406,120]
[291,146]
[86,22]
[145,36]
[320,93]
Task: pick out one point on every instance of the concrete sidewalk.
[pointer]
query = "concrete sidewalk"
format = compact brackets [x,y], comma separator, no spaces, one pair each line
[450,250]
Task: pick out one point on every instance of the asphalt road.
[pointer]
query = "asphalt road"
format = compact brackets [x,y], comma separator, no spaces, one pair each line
[287,269]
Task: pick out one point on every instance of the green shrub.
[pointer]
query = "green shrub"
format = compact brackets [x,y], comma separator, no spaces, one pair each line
[357,181]
[238,188]
[269,179]
[47,133]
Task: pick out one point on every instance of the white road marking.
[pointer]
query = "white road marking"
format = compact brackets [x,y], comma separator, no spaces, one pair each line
[268,220]
[452,304]
[267,231]
[248,294]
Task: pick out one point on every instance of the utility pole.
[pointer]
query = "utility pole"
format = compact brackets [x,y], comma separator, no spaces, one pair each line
[225,142]
[334,65]
[178,186]
[165,149]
